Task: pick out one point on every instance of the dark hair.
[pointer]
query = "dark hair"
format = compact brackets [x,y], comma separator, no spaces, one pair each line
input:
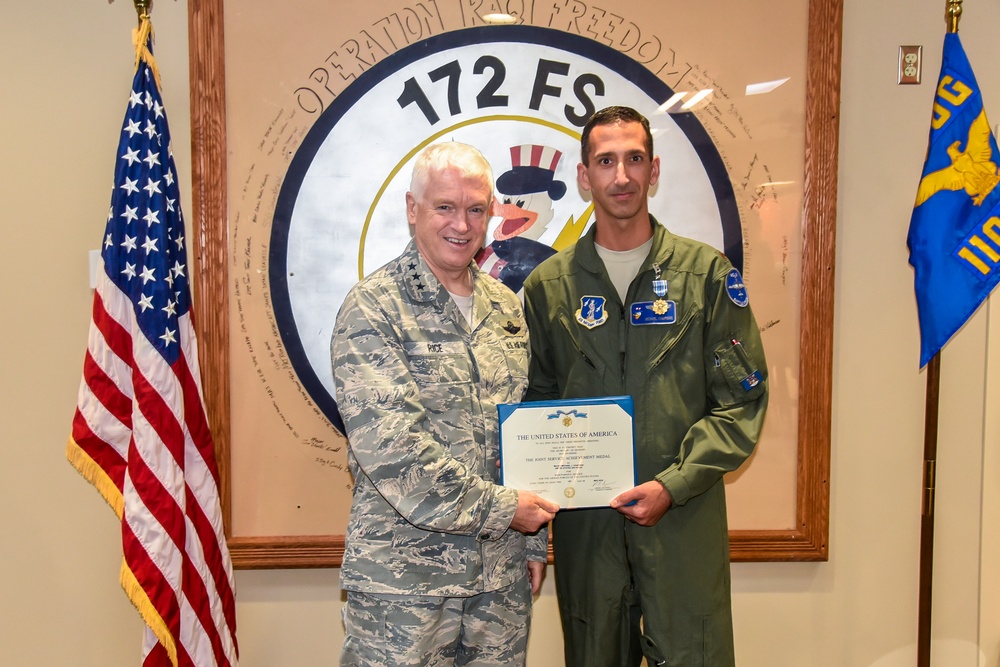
[613,116]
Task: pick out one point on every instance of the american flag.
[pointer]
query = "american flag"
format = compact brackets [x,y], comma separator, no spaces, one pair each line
[140,434]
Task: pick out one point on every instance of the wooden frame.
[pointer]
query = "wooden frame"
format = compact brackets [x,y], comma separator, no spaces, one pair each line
[807,541]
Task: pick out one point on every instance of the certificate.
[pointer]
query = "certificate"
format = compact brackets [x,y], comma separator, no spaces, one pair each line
[578,453]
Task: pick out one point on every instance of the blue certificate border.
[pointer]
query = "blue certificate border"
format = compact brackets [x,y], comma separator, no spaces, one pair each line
[505,410]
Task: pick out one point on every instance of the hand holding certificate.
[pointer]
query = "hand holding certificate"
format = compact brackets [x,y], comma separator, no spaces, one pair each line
[578,453]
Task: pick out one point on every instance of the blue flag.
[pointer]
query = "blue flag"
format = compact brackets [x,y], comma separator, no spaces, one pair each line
[954,236]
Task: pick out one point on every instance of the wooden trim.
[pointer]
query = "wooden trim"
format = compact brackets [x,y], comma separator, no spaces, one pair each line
[287,551]
[208,225]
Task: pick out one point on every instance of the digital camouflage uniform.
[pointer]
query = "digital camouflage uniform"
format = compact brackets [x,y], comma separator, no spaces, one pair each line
[418,393]
[700,392]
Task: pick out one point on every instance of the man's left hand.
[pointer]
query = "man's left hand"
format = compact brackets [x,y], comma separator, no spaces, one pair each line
[536,573]
[652,500]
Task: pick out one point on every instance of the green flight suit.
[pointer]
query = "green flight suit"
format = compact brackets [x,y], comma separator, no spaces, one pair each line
[700,391]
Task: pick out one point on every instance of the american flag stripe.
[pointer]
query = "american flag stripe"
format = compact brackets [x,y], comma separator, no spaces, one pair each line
[111,398]
[203,496]
[214,572]
[140,433]
[106,475]
[140,575]
[111,339]
[206,638]
[96,426]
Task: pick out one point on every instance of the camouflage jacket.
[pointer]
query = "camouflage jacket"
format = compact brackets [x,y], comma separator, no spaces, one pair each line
[418,393]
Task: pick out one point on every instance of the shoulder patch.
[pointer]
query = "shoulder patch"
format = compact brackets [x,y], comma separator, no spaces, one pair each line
[736,290]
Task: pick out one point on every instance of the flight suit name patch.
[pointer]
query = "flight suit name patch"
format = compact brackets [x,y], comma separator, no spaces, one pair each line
[653,312]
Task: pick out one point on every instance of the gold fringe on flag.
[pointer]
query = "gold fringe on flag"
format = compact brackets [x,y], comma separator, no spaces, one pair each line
[140,600]
[136,594]
[96,475]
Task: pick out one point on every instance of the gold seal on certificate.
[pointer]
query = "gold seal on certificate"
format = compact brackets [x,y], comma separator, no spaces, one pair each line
[577,452]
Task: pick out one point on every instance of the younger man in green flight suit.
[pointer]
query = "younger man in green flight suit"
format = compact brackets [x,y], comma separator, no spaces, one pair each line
[633,309]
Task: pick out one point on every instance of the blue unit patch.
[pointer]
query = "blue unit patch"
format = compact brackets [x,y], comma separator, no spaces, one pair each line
[591,313]
[736,290]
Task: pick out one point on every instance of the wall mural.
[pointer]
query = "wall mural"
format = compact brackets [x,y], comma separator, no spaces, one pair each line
[321,132]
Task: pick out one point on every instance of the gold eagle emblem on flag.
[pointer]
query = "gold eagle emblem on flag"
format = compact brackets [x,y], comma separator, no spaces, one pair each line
[972,169]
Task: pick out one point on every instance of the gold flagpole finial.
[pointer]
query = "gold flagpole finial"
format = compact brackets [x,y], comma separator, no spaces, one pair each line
[951,14]
[142,8]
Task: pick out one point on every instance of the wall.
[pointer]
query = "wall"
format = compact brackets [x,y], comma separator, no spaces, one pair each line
[66,75]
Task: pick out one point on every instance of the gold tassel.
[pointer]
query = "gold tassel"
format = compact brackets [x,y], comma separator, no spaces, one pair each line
[141,36]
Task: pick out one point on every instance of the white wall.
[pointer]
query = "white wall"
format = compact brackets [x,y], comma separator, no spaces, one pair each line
[66,72]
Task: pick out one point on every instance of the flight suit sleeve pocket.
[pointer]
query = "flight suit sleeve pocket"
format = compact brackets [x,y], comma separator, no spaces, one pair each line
[735,378]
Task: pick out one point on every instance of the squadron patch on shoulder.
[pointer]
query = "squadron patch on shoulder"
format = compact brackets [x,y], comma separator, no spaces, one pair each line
[736,290]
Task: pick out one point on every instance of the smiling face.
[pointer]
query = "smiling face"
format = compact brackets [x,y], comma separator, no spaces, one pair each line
[449,218]
[619,173]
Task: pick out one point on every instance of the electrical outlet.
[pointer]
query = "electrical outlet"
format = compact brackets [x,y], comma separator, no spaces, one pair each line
[909,64]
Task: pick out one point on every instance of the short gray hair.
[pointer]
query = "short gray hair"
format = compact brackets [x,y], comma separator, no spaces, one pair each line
[449,154]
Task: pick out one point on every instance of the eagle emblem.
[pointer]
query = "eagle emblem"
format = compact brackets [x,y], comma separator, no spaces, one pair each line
[972,169]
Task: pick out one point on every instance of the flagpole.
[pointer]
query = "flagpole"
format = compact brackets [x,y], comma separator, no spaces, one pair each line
[953,12]
[927,514]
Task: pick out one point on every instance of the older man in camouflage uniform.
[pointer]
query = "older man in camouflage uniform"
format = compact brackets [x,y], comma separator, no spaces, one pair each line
[437,567]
